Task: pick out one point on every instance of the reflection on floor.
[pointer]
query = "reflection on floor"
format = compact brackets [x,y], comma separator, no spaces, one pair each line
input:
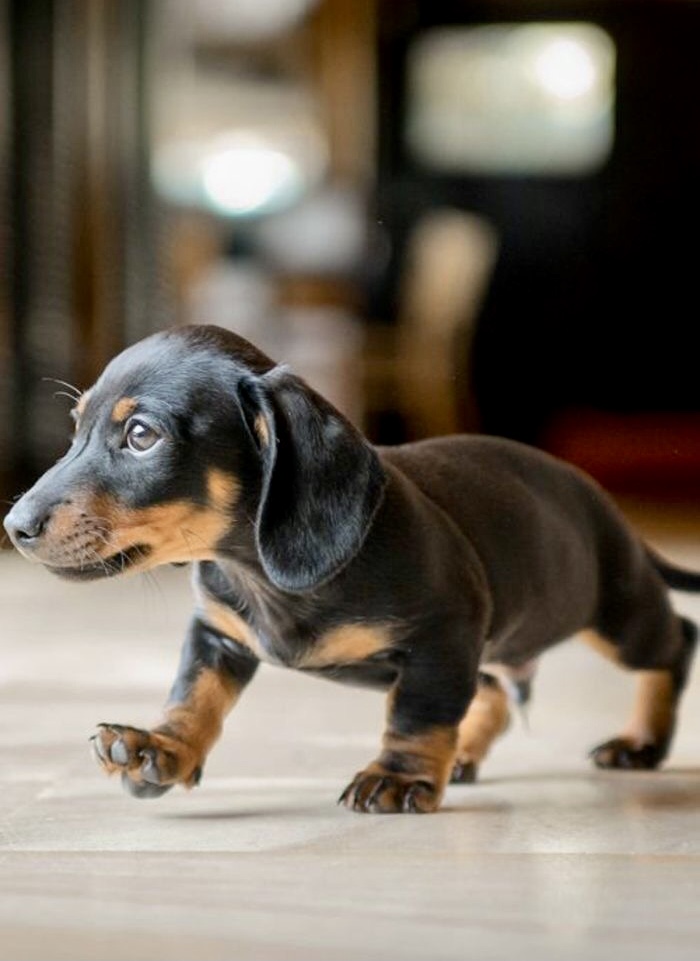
[543,858]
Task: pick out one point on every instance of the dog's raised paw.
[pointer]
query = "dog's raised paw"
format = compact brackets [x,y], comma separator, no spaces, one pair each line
[621,753]
[149,762]
[372,792]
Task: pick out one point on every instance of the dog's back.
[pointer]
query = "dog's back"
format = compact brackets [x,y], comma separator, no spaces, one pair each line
[559,556]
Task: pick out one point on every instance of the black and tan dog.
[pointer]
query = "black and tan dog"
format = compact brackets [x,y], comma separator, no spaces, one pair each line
[439,570]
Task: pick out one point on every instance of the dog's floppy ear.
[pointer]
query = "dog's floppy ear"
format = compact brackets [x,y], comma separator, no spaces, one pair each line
[322,481]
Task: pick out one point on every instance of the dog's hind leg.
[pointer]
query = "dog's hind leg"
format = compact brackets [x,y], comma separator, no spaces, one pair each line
[646,739]
[488,715]
[486,718]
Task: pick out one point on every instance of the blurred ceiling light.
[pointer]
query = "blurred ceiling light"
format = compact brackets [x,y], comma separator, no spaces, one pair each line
[566,69]
[247,20]
[245,173]
[512,98]
[248,178]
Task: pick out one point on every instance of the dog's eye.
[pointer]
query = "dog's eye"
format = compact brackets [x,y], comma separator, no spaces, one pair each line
[140,437]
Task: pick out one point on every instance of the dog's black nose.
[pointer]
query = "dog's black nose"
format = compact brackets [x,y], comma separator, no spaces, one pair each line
[25,527]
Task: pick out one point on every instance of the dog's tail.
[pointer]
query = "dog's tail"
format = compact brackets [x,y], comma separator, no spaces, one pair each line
[677,578]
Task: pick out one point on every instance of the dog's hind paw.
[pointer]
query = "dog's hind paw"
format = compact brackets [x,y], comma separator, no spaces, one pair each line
[622,753]
[149,762]
[464,772]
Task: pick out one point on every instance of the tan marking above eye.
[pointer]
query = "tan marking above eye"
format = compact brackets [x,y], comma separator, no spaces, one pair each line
[123,409]
[347,643]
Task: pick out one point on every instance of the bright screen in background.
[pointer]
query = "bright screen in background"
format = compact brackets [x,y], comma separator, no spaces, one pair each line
[512,99]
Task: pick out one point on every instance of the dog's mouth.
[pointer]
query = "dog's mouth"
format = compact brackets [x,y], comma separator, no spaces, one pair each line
[117,563]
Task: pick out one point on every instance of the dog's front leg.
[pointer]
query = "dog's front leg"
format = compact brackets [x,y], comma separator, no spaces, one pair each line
[212,674]
[419,746]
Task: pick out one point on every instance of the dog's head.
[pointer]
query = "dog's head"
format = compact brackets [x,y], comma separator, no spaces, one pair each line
[193,444]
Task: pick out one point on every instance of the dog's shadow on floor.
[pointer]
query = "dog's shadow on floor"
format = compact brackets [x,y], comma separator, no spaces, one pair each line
[669,789]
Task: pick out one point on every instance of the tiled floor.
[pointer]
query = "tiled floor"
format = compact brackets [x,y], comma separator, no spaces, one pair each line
[544,858]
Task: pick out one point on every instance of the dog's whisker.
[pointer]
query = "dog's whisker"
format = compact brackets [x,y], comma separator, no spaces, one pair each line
[188,533]
[64,393]
[151,580]
[101,532]
[142,555]
[75,394]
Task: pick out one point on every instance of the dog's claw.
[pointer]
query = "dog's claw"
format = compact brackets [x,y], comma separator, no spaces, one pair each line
[150,763]
[409,802]
[389,793]
[98,749]
[118,752]
[621,754]
[464,772]
[149,770]
[369,804]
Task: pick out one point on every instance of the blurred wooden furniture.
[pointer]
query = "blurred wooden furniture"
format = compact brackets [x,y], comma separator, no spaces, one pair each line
[448,262]
[78,275]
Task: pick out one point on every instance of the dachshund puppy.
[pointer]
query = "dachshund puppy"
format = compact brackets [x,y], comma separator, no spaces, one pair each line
[438,571]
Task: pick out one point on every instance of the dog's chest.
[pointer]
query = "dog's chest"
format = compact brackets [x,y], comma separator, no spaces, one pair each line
[228,621]
[292,635]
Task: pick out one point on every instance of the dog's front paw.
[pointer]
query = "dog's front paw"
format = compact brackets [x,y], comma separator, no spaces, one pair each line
[622,753]
[149,762]
[384,792]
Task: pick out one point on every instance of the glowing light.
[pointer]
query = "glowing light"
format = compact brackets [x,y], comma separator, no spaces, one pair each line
[249,178]
[566,69]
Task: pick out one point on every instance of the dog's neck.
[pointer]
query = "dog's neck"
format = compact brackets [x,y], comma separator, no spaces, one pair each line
[279,619]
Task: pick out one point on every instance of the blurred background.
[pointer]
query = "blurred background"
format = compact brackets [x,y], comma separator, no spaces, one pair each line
[446,215]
